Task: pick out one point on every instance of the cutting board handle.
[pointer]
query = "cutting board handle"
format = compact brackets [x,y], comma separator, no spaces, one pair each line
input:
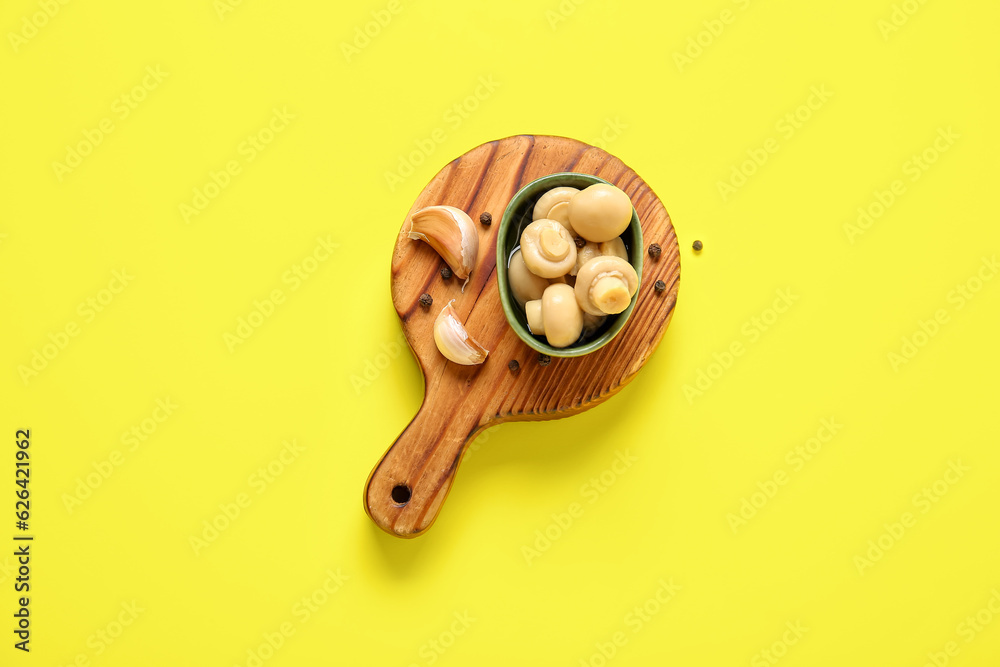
[406,489]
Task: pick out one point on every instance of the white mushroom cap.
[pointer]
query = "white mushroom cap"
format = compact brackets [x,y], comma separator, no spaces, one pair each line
[560,213]
[605,285]
[548,249]
[589,251]
[615,247]
[524,285]
[550,199]
[600,212]
[561,315]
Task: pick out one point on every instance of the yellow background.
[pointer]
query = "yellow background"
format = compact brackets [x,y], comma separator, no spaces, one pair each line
[325,368]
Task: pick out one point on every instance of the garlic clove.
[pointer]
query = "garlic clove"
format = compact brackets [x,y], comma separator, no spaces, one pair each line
[454,341]
[450,232]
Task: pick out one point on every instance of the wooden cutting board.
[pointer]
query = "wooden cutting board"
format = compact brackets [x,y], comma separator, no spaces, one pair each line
[407,487]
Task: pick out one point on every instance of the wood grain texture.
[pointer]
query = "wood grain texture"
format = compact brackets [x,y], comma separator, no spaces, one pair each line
[460,401]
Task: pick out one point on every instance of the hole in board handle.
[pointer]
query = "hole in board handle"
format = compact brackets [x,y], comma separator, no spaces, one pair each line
[400,494]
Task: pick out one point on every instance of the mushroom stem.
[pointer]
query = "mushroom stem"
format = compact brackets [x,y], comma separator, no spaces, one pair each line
[610,294]
[533,313]
[552,244]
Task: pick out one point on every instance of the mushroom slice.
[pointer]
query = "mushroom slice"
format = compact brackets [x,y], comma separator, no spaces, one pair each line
[605,285]
[550,199]
[548,248]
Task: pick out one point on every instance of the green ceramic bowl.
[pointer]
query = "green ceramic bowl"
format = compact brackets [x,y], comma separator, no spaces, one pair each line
[516,217]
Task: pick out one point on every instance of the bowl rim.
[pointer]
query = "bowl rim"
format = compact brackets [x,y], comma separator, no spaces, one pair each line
[506,298]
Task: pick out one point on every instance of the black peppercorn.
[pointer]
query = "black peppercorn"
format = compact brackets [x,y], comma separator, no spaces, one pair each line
[697,245]
[426,300]
[445,272]
[544,359]
[659,286]
[514,367]
[654,250]
[486,219]
[580,241]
